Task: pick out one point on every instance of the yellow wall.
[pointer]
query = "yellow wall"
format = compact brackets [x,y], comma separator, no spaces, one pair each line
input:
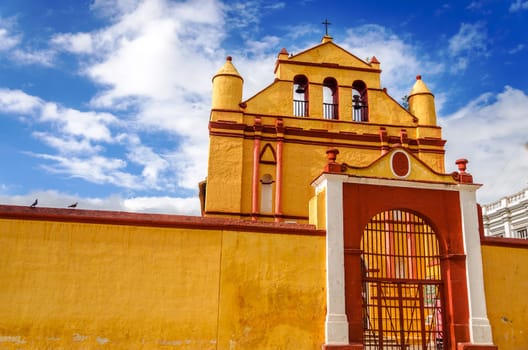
[224,188]
[90,286]
[506,286]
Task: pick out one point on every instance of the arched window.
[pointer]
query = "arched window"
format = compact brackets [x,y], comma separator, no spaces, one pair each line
[266,193]
[330,101]
[359,101]
[300,96]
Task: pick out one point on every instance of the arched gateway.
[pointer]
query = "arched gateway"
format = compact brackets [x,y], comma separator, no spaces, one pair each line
[402,290]
[403,264]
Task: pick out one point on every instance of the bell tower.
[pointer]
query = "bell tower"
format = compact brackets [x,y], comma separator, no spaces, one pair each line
[265,150]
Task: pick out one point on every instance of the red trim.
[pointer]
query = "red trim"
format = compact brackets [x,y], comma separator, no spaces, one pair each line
[226,124]
[343,347]
[228,75]
[278,185]
[243,215]
[505,242]
[153,220]
[221,123]
[319,133]
[255,184]
[327,143]
[498,241]
[268,146]
[347,166]
[441,209]
[468,346]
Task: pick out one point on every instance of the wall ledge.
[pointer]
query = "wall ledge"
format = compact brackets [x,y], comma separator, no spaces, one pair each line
[154,220]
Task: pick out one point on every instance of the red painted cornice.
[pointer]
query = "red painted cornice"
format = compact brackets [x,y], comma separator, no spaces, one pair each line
[153,220]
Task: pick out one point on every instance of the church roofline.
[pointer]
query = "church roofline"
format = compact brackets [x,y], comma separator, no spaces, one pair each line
[291,58]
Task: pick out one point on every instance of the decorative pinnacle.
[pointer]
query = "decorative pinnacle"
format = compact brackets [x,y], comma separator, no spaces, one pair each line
[331,154]
[462,165]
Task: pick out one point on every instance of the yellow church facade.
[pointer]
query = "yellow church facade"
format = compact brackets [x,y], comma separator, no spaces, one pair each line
[328,222]
[270,147]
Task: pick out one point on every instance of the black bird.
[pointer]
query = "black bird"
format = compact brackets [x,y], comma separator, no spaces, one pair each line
[74,205]
[34,203]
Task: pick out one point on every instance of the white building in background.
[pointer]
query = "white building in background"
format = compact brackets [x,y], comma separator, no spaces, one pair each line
[507,217]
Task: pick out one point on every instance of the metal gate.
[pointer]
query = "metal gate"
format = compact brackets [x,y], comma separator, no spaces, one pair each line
[402,286]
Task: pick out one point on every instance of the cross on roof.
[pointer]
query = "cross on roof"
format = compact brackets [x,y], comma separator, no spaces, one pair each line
[326,24]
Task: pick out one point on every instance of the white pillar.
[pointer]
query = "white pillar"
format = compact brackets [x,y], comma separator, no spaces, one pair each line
[336,324]
[480,328]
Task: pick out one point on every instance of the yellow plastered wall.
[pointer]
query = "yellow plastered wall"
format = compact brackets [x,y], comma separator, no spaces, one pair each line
[506,284]
[224,187]
[317,207]
[98,286]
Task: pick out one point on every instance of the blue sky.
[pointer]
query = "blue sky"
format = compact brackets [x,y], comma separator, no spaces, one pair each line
[106,102]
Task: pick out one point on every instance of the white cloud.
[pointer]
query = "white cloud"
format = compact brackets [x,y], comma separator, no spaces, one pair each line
[67,144]
[490,132]
[516,49]
[95,168]
[110,8]
[141,56]
[89,125]
[518,5]
[18,51]
[262,45]
[470,38]
[474,5]
[157,57]
[400,60]
[29,57]
[302,30]
[243,14]
[182,206]
[153,164]
[8,40]
[78,139]
[18,102]
[152,204]
[468,42]
[76,43]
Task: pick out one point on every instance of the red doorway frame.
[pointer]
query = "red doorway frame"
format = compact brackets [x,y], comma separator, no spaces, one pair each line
[442,210]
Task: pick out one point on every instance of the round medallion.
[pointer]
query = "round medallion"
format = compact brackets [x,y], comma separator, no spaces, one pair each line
[400,164]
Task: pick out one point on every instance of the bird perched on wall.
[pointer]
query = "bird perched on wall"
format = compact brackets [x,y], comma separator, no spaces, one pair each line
[74,205]
[34,204]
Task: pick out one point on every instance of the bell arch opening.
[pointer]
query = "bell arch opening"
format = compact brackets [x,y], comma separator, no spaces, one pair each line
[402,287]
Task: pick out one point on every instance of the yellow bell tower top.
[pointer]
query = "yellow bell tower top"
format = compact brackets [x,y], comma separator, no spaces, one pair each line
[265,151]
[227,87]
[421,103]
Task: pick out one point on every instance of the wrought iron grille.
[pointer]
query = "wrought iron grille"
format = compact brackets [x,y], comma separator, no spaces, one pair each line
[300,108]
[402,286]
[360,113]
[330,110]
